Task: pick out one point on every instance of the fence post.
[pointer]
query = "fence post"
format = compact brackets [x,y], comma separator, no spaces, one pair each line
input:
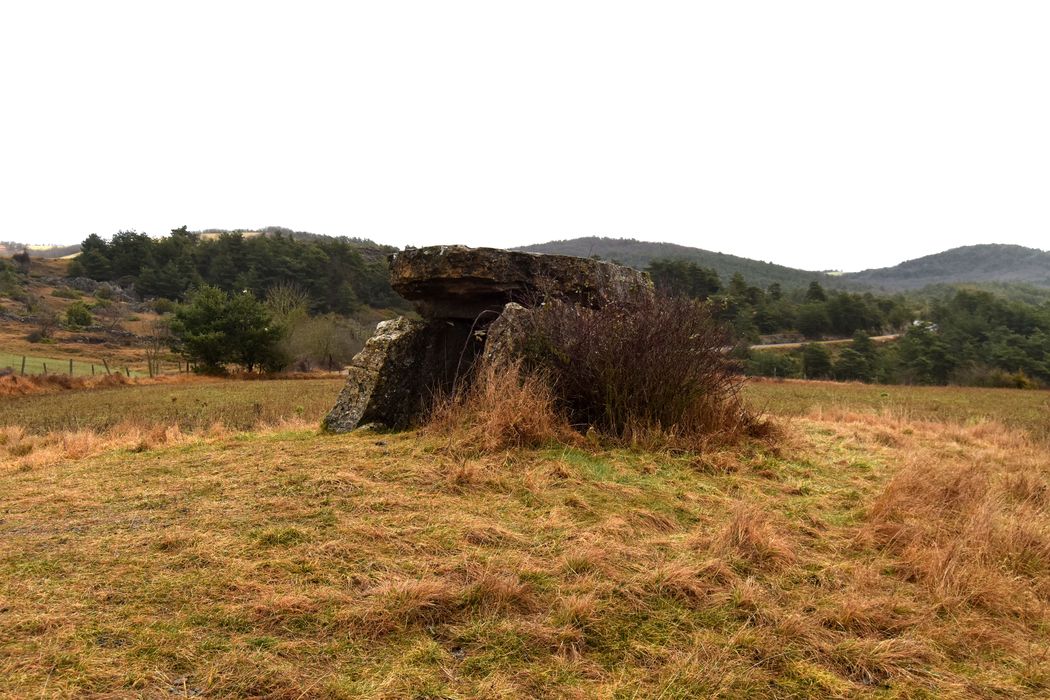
[45,369]
[92,369]
[127,371]
[106,365]
[71,368]
[23,365]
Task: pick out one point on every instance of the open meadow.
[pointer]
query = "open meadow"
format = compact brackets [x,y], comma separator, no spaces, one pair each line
[1026,410]
[202,539]
[189,402]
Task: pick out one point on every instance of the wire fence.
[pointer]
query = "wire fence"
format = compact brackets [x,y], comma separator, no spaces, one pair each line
[26,365]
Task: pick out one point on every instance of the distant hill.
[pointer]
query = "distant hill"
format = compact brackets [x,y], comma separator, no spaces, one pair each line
[639,254]
[989,265]
[985,263]
[9,248]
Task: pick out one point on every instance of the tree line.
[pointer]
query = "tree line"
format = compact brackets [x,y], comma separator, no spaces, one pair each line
[753,311]
[268,301]
[335,275]
[947,335]
[967,337]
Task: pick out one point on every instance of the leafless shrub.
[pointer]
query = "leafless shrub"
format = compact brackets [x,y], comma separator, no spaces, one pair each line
[156,341]
[46,320]
[327,341]
[287,301]
[643,370]
[108,314]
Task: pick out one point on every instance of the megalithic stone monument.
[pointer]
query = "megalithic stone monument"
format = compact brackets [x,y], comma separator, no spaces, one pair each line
[459,293]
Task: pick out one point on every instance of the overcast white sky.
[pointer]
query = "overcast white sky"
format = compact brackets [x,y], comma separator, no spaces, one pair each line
[820,135]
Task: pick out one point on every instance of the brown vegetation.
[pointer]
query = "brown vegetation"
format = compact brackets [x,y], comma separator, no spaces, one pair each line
[504,408]
[651,373]
[866,554]
[972,525]
[14,385]
[644,368]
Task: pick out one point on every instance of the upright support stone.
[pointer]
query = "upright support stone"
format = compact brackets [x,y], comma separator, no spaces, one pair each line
[393,380]
[503,336]
[389,353]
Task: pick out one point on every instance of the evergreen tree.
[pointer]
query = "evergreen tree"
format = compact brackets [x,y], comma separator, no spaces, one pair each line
[214,329]
[850,365]
[816,361]
[812,320]
[815,293]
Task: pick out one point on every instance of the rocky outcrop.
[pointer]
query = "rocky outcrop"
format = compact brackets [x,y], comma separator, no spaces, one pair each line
[464,283]
[472,301]
[86,284]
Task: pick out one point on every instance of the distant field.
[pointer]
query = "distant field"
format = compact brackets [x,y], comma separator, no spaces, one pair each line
[1029,410]
[244,404]
[237,404]
[37,364]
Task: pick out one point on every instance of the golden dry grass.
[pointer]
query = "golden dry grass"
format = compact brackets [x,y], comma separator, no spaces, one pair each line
[191,402]
[504,408]
[866,555]
[13,385]
[1028,410]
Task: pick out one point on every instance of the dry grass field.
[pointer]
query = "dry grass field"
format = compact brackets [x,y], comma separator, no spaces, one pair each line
[886,551]
[189,402]
[1027,410]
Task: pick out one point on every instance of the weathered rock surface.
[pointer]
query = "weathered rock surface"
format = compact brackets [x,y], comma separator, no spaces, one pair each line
[471,301]
[90,286]
[386,355]
[461,282]
[504,335]
[402,366]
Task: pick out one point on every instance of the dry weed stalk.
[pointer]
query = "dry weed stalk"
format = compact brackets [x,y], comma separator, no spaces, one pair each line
[504,408]
[975,529]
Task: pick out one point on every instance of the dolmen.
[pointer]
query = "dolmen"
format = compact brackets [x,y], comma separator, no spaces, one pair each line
[466,299]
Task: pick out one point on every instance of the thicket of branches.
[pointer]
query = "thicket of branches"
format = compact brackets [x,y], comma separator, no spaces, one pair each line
[651,364]
[653,371]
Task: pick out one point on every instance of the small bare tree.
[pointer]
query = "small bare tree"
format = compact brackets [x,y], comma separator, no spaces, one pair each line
[33,304]
[155,342]
[110,315]
[45,318]
[287,301]
[327,341]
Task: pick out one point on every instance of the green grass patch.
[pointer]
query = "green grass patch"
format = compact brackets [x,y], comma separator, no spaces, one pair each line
[39,364]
